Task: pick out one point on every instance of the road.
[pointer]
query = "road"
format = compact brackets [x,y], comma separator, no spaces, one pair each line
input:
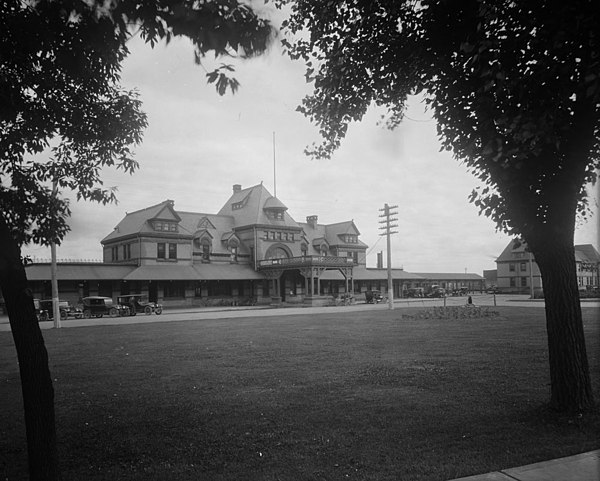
[200,313]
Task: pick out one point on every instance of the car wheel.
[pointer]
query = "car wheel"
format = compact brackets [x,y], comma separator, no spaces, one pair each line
[87,314]
[63,315]
[158,311]
[113,312]
[147,310]
[43,317]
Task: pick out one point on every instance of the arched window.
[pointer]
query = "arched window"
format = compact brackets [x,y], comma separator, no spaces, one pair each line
[204,245]
[233,246]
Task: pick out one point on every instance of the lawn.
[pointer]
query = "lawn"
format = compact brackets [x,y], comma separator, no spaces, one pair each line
[363,395]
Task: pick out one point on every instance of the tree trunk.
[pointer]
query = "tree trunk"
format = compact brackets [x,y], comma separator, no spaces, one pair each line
[571,390]
[36,383]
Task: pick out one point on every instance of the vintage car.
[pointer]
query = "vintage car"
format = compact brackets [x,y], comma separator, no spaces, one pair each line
[138,305]
[99,306]
[45,310]
[436,291]
[373,297]
[415,292]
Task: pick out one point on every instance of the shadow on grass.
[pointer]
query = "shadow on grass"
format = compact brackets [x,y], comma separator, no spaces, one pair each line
[361,395]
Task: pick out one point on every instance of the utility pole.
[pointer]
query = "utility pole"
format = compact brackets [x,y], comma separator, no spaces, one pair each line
[53,271]
[388,225]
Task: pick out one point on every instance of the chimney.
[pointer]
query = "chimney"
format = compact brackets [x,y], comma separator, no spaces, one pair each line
[311,220]
[237,188]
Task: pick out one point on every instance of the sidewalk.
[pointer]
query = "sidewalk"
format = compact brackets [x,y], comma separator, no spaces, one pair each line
[581,467]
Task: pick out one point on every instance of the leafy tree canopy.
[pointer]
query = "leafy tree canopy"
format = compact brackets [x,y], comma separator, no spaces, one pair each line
[514,88]
[60,64]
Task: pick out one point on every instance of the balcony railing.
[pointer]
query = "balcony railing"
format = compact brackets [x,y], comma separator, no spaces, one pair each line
[307,261]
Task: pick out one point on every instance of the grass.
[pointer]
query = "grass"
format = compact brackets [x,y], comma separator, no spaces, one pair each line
[357,395]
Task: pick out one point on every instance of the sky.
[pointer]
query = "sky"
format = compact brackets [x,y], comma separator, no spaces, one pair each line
[198,144]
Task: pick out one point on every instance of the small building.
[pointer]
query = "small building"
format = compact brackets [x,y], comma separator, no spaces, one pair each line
[517,270]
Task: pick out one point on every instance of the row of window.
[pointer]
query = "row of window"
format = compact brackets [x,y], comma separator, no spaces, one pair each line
[350,238]
[523,282]
[165,226]
[166,250]
[522,267]
[122,252]
[282,236]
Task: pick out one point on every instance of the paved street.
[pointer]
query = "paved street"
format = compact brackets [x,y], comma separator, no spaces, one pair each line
[200,313]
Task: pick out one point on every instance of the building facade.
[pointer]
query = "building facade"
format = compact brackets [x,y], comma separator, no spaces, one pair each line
[517,270]
[251,251]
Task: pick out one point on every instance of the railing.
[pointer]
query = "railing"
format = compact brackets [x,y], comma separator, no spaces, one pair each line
[307,261]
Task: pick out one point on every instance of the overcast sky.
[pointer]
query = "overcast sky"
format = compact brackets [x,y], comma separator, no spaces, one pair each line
[198,145]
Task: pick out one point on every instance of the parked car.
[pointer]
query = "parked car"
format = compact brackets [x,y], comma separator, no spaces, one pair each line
[461,291]
[415,292]
[492,290]
[436,291]
[99,306]
[137,305]
[45,311]
[373,297]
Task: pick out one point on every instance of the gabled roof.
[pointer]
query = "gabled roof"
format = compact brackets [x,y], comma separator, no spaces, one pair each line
[586,253]
[515,246]
[583,252]
[250,204]
[331,233]
[167,212]
[136,222]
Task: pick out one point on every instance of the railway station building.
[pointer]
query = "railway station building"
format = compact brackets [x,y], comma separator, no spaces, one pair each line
[250,251]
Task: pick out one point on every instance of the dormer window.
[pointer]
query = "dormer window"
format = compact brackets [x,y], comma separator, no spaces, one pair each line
[165,226]
[350,238]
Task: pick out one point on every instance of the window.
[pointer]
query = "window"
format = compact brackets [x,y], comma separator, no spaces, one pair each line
[205,250]
[511,267]
[291,237]
[174,289]
[165,226]
[279,236]
[115,253]
[219,288]
[172,251]
[160,250]
[513,282]
[272,235]
[523,266]
[523,281]
[127,251]
[304,250]
[234,253]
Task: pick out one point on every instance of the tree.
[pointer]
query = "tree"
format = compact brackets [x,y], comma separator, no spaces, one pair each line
[60,95]
[515,90]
